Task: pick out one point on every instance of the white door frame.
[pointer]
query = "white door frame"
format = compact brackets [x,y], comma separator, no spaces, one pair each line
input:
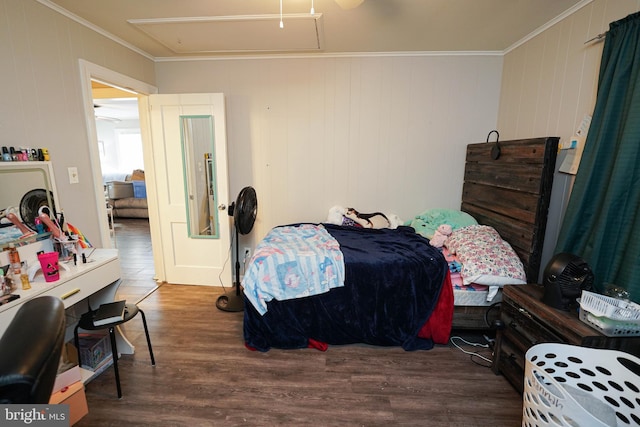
[89,71]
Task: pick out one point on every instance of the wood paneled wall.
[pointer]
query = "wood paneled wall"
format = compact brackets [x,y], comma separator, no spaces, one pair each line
[382,133]
[379,133]
[549,83]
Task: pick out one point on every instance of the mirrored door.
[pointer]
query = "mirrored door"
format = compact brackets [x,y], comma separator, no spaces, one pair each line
[198,156]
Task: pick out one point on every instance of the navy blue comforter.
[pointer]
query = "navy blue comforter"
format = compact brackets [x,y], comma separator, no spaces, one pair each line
[393,280]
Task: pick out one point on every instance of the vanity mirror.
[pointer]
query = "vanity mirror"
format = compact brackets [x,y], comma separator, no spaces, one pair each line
[24,188]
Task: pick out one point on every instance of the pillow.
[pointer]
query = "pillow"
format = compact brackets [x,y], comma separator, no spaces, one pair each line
[486,258]
[428,222]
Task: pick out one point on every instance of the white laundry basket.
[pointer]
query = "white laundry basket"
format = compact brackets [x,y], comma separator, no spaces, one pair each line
[566,385]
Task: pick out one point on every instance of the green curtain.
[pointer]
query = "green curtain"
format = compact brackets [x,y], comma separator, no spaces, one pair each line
[602,221]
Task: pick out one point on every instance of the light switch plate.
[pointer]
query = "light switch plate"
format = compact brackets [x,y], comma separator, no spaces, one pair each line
[73,175]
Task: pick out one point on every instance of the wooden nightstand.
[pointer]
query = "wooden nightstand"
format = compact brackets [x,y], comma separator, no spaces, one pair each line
[528,321]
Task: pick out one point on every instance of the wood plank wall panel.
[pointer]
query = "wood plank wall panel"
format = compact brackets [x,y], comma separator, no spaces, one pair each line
[379,133]
[549,83]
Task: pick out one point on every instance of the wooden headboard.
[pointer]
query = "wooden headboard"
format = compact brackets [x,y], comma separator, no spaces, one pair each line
[512,193]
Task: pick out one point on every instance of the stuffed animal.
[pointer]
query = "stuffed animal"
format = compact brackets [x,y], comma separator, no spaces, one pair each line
[350,217]
[394,221]
[372,220]
[336,215]
[440,236]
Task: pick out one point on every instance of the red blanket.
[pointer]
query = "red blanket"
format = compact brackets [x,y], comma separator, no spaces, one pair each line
[438,327]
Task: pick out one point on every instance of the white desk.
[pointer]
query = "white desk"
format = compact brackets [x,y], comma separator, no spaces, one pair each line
[93,283]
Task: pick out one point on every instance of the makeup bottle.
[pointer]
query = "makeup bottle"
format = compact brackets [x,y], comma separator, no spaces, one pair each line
[14,260]
[24,276]
[5,154]
[4,289]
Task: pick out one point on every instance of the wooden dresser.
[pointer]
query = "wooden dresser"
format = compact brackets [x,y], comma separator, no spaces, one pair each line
[528,321]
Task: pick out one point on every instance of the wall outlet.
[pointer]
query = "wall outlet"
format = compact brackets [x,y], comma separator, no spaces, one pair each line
[247,253]
[73,175]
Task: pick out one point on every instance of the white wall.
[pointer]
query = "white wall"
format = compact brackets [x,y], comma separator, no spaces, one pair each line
[549,84]
[41,99]
[380,133]
[383,133]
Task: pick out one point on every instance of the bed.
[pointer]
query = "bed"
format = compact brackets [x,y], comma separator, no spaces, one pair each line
[390,287]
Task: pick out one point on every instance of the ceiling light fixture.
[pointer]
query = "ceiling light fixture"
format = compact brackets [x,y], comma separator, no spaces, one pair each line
[281,23]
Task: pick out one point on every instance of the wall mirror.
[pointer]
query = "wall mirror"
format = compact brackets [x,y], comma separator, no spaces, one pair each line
[22,183]
[198,157]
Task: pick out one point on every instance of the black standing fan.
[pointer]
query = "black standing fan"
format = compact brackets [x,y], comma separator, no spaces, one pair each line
[32,203]
[565,277]
[244,211]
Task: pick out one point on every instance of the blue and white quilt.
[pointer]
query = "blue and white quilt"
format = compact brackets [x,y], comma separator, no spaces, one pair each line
[293,262]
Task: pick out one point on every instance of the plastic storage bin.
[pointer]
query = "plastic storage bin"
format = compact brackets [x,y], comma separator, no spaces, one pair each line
[611,316]
[94,350]
[139,189]
[610,327]
[566,385]
[119,189]
[613,308]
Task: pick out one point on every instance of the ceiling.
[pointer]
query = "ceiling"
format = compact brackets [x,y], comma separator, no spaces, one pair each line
[163,29]
[111,104]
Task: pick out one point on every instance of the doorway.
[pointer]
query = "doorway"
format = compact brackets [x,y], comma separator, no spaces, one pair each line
[164,119]
[117,121]
[116,108]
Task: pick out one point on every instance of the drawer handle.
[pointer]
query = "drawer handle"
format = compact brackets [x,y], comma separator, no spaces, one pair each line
[524,312]
[70,293]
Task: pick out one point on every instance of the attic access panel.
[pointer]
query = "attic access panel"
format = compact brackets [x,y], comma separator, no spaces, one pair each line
[236,34]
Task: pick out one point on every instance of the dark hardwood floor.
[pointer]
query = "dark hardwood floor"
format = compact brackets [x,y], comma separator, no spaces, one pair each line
[132,238]
[204,376]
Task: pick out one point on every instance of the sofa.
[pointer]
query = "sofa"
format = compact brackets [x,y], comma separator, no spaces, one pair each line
[128,198]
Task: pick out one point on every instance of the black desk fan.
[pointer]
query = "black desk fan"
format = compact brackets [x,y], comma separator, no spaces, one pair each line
[244,211]
[33,203]
[565,277]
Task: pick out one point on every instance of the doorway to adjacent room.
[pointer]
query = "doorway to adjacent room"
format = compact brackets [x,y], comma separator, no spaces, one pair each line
[117,121]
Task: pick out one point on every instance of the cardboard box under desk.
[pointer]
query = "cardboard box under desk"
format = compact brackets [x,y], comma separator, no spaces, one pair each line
[68,369]
[74,396]
[66,378]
